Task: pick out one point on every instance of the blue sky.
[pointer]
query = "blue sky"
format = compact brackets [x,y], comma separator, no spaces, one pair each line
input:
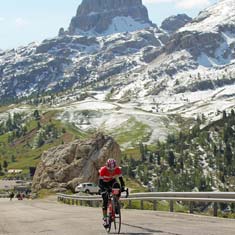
[25,21]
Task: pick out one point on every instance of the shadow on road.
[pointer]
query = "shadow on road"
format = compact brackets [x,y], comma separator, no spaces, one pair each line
[148,230]
[137,233]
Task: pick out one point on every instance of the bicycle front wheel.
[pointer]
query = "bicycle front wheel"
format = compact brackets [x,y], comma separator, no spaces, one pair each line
[110,223]
[117,219]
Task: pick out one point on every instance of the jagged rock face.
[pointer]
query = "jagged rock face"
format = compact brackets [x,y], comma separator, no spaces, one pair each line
[66,61]
[195,44]
[108,16]
[173,23]
[209,38]
[67,165]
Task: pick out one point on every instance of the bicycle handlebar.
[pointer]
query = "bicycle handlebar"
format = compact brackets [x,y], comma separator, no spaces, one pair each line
[109,190]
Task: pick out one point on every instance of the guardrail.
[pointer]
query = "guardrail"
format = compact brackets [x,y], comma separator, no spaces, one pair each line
[4,195]
[191,197]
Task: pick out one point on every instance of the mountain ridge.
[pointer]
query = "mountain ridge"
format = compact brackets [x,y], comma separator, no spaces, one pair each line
[146,68]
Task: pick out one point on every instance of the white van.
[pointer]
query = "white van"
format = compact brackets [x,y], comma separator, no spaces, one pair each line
[90,188]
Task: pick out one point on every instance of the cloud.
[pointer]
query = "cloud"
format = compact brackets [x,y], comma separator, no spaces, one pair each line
[182,4]
[185,4]
[2,19]
[158,1]
[21,23]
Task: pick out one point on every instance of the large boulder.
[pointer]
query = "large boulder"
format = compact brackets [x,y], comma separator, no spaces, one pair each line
[65,166]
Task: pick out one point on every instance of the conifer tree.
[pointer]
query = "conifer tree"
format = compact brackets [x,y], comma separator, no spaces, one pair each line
[5,165]
[171,159]
[36,115]
[228,154]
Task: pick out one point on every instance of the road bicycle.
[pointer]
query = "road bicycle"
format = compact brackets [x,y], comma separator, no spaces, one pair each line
[114,209]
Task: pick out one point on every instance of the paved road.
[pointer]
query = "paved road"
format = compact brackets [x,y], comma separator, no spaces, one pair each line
[48,217]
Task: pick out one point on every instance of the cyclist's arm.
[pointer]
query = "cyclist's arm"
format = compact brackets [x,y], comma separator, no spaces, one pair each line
[101,184]
[122,182]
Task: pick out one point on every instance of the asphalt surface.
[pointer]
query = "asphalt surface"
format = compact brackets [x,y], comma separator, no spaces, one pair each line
[29,217]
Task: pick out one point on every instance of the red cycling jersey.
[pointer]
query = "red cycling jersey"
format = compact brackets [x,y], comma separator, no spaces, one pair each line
[107,176]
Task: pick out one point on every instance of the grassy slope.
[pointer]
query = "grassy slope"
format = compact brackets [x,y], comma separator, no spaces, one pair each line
[21,149]
[132,132]
[26,156]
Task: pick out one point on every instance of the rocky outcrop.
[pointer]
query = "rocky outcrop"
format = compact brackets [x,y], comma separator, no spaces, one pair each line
[67,165]
[97,16]
[173,23]
[195,42]
[210,34]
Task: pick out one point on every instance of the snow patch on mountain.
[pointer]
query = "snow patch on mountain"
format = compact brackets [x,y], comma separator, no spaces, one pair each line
[210,19]
[125,24]
[119,24]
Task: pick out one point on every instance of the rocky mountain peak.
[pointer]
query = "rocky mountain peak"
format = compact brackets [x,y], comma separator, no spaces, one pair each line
[88,6]
[173,23]
[104,17]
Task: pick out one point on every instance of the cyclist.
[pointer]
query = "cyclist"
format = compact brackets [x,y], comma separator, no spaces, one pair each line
[107,180]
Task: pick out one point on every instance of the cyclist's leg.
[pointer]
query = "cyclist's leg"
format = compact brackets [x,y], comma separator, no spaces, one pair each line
[104,209]
[105,204]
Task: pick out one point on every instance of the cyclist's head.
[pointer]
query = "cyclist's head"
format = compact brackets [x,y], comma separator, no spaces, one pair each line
[111,164]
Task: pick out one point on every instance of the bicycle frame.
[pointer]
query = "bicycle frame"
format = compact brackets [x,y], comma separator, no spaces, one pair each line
[112,200]
[114,209]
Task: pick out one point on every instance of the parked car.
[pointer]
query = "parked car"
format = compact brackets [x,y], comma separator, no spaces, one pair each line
[91,188]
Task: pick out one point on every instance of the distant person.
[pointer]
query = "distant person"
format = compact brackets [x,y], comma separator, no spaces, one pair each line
[107,179]
[19,196]
[11,195]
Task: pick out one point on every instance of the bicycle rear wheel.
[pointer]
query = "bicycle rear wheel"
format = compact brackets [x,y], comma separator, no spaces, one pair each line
[117,219]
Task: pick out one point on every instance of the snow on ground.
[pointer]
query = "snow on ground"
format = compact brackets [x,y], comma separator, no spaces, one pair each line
[101,95]
[159,130]
[150,110]
[11,110]
[135,88]
[108,116]
[114,120]
[3,117]
[98,114]
[92,105]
